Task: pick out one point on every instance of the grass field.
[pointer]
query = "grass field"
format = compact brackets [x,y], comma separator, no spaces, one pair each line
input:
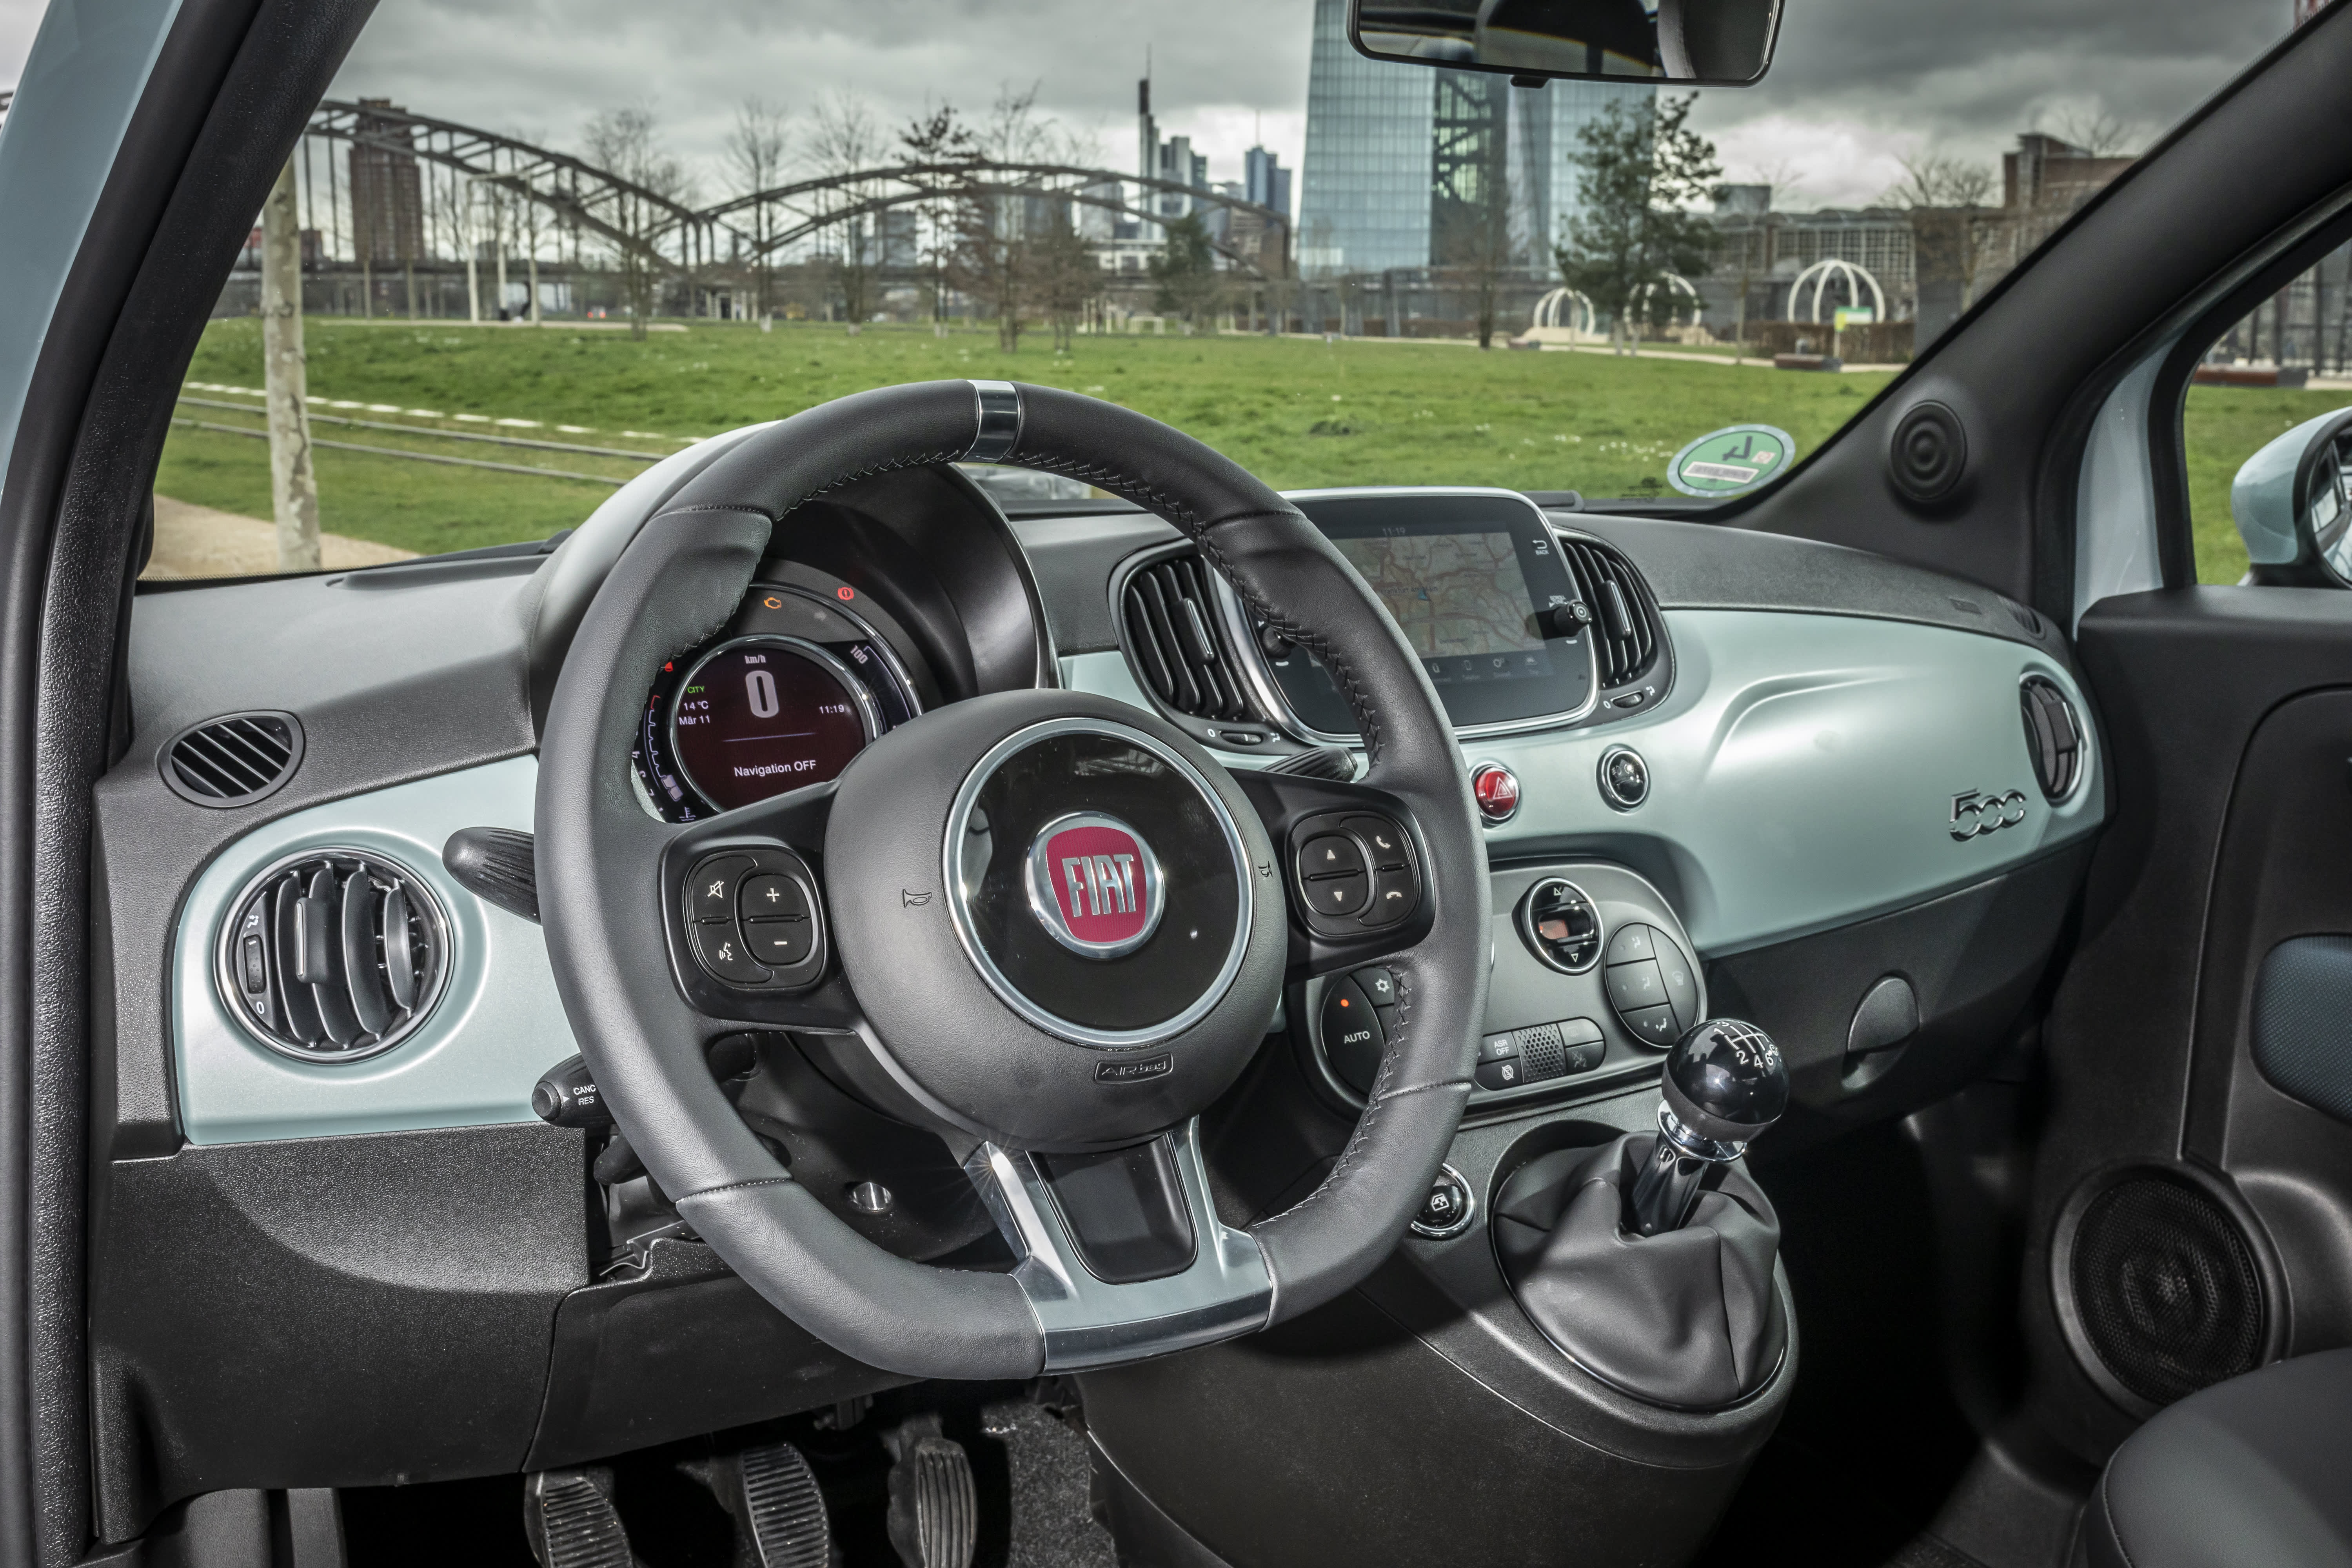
[1296,412]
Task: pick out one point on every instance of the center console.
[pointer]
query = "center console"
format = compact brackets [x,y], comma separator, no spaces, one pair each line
[1587,1334]
[1593,979]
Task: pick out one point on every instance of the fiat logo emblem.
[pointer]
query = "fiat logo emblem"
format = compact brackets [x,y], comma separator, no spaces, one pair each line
[1095,885]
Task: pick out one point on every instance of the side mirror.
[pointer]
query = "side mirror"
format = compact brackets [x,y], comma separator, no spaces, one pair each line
[1707,43]
[2292,504]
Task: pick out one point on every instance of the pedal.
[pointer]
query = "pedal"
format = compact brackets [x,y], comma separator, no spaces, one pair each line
[934,1506]
[780,1515]
[571,1520]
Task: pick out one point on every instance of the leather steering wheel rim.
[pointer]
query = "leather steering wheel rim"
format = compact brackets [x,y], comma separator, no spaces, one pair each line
[677,585]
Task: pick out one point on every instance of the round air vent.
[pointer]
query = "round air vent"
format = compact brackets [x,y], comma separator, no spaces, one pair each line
[2053,736]
[1929,453]
[2162,1286]
[333,955]
[234,759]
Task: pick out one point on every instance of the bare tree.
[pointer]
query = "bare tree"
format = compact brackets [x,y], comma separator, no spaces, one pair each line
[940,137]
[2092,130]
[1954,229]
[843,138]
[622,142]
[755,155]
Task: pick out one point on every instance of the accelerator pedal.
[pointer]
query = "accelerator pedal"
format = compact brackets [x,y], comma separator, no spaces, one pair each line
[934,1506]
[571,1520]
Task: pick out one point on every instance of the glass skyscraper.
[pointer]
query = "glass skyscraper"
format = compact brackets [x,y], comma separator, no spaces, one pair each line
[1396,154]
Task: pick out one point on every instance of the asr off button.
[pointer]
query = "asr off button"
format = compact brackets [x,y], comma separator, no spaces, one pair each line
[1448,1208]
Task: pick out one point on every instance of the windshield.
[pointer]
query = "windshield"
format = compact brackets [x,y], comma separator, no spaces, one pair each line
[531,250]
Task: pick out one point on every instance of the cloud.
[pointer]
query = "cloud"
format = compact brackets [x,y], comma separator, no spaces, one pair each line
[1857,84]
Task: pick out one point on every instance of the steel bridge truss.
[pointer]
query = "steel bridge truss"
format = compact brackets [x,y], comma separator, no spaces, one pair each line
[674,238]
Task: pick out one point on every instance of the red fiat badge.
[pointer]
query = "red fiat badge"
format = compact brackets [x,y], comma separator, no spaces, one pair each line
[1095,885]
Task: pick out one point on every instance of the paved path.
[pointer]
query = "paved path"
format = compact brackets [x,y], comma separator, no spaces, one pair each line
[199,542]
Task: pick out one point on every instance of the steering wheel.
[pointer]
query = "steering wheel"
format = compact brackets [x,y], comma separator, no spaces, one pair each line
[1054,925]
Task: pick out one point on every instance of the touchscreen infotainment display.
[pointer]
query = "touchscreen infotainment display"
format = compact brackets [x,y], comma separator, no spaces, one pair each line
[1454,594]
[1470,580]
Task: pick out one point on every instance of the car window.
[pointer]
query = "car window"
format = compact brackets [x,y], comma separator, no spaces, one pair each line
[2263,392]
[533,251]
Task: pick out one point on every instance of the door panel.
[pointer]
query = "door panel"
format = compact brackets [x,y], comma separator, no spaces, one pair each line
[2228,718]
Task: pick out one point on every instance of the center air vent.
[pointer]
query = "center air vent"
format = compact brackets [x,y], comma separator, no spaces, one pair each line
[1624,626]
[334,955]
[1178,641]
[234,759]
[2054,735]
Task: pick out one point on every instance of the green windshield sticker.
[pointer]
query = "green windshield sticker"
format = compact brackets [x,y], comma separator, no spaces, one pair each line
[1728,461]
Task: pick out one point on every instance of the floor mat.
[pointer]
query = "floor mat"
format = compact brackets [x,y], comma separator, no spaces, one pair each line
[1924,1550]
[1053,1520]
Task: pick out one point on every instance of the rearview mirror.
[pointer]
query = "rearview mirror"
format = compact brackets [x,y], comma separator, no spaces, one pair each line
[2292,504]
[1707,43]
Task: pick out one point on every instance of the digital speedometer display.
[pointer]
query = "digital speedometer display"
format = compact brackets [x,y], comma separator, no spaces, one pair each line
[763,715]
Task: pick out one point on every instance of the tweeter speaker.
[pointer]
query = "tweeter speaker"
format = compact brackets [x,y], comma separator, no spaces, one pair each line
[1929,454]
[2159,1286]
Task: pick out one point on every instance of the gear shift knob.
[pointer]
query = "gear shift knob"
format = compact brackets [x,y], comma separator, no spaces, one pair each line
[1725,1083]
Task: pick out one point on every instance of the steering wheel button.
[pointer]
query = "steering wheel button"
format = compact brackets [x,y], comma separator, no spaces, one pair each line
[1382,836]
[773,898]
[1631,941]
[710,886]
[1379,984]
[781,943]
[1394,893]
[1342,895]
[721,951]
[1633,986]
[1652,1026]
[1332,855]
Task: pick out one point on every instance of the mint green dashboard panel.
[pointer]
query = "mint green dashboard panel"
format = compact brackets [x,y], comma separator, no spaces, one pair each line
[498,1024]
[1803,770]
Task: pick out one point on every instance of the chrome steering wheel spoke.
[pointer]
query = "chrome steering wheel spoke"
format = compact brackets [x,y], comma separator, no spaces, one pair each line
[1222,1289]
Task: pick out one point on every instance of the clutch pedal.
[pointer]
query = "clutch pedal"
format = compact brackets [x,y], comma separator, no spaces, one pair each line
[571,1520]
[934,1506]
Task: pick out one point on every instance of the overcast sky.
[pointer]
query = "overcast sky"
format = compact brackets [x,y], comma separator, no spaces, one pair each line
[1857,86]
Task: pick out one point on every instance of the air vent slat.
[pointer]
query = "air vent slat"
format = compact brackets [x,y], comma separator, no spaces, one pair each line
[302,1022]
[334,955]
[1178,643]
[319,920]
[1625,631]
[371,994]
[234,759]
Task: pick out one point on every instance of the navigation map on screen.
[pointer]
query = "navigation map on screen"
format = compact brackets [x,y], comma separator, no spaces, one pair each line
[1455,594]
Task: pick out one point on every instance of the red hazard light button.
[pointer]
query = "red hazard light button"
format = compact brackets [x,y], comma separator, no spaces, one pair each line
[1497,789]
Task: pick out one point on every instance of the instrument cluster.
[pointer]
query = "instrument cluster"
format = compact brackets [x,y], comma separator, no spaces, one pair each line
[802,681]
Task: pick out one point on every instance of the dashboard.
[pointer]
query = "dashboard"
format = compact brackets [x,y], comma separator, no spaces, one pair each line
[1753,775]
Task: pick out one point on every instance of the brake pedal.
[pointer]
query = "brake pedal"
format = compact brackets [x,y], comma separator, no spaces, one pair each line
[934,1506]
[571,1520]
[780,1514]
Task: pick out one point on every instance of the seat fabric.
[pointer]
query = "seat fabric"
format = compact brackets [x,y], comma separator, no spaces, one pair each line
[2255,1470]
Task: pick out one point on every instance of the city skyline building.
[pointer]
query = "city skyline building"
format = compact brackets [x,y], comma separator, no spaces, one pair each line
[1398,154]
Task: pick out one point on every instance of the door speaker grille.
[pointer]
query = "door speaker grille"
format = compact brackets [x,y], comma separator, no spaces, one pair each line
[2164,1286]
